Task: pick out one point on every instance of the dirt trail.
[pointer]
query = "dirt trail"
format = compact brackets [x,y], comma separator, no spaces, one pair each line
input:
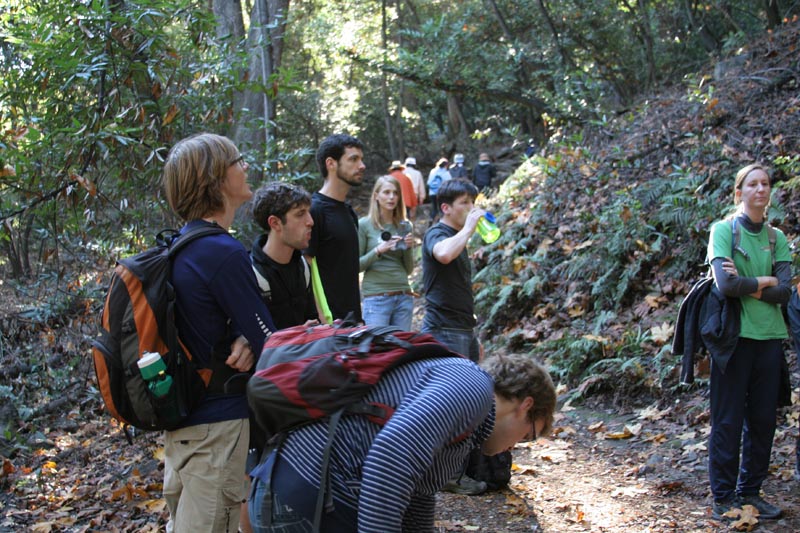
[582,479]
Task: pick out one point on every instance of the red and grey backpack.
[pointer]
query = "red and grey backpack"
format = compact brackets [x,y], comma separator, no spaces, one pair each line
[306,374]
[323,372]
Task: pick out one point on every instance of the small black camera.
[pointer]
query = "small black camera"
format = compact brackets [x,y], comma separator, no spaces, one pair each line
[404,229]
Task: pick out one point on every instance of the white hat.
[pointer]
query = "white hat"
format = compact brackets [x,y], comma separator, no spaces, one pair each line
[459,158]
[411,161]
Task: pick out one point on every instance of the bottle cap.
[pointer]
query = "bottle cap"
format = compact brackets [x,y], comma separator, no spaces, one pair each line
[150,364]
[490,217]
[148,359]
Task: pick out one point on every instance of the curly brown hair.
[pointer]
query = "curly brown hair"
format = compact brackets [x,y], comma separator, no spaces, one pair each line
[276,198]
[518,376]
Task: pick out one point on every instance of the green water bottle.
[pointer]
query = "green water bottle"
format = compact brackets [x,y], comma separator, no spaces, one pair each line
[487,228]
[154,372]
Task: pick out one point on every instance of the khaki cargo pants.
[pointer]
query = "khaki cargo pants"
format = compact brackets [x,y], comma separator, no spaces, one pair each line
[204,481]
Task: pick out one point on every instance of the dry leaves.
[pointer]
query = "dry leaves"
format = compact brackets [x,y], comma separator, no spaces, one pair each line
[662,333]
[746,518]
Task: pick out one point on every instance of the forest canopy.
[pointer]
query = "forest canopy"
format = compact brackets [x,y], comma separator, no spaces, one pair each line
[95,92]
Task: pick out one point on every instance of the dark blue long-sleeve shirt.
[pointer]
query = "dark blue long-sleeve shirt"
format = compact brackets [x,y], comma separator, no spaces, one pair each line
[218,300]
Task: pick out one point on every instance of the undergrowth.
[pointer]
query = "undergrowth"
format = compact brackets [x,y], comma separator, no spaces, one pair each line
[595,254]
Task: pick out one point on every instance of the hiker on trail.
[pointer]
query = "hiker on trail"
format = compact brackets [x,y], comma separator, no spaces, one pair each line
[334,237]
[417,182]
[457,169]
[438,175]
[283,212]
[398,171]
[484,173]
[386,478]
[386,263]
[793,313]
[220,316]
[447,270]
[744,389]
[447,284]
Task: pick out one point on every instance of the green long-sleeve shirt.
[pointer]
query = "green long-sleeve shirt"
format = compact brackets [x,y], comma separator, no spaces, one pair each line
[390,271]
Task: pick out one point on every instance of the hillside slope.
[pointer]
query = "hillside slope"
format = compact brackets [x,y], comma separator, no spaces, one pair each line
[606,231]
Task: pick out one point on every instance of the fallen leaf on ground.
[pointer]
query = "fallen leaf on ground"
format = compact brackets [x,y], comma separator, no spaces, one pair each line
[517,504]
[634,429]
[663,333]
[626,433]
[578,516]
[747,518]
[653,413]
[597,427]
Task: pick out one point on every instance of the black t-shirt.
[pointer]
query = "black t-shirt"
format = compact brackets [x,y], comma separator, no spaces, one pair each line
[290,300]
[334,244]
[447,288]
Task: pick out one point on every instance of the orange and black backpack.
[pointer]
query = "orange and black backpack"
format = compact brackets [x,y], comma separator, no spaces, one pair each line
[138,318]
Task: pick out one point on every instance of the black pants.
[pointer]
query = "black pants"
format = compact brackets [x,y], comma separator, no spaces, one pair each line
[744,401]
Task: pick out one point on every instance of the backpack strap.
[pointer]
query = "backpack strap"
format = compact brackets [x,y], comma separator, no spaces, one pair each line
[736,241]
[306,271]
[263,282]
[176,241]
[325,497]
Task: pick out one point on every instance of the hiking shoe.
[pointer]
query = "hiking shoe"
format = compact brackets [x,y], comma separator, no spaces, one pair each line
[721,507]
[465,485]
[765,509]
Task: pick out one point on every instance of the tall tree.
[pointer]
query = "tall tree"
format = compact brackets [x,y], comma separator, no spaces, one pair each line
[254,104]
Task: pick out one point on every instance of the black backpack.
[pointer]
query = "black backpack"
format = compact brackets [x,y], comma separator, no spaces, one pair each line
[139,317]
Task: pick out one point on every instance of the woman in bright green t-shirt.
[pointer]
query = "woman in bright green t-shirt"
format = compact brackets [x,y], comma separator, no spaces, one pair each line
[744,394]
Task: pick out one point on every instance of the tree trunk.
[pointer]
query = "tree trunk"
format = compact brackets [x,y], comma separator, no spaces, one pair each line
[458,124]
[566,59]
[385,95]
[710,41]
[11,252]
[647,39]
[230,30]
[773,11]
[254,107]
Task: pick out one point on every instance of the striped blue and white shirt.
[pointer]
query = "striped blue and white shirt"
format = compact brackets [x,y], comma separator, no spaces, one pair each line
[391,474]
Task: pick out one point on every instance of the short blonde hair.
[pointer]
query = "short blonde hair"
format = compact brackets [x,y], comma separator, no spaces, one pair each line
[193,174]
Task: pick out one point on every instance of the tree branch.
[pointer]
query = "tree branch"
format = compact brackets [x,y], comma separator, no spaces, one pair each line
[457,88]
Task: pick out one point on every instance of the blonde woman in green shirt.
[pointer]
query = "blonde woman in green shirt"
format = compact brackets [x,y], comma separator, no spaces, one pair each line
[744,390]
[386,258]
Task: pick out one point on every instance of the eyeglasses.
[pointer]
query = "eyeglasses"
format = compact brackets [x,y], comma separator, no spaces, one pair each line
[532,436]
[239,160]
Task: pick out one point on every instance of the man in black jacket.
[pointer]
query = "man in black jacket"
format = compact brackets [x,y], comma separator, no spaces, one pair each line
[283,211]
[483,173]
